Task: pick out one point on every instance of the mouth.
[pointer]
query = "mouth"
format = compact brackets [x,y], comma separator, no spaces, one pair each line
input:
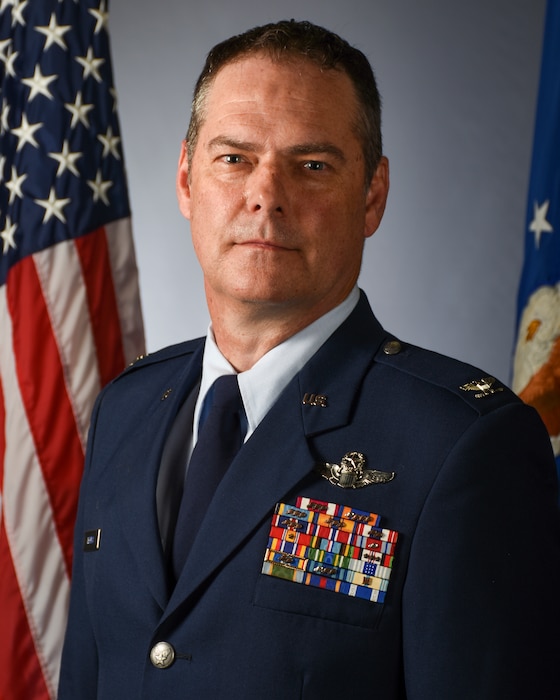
[264,245]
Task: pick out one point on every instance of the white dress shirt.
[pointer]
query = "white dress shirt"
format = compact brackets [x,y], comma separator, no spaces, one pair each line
[261,385]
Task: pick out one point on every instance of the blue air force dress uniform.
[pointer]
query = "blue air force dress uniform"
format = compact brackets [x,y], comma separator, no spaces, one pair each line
[389,531]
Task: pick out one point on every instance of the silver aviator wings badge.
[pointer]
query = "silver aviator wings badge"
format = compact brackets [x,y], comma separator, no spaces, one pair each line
[351,474]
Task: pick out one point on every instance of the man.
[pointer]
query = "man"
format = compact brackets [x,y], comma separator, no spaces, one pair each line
[388,529]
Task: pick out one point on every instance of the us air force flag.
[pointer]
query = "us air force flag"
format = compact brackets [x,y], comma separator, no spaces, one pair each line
[536,370]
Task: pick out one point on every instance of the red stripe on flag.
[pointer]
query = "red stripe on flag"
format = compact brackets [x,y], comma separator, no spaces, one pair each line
[22,678]
[2,442]
[44,395]
[103,310]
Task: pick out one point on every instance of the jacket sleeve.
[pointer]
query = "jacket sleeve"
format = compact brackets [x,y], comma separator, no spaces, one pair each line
[79,667]
[481,603]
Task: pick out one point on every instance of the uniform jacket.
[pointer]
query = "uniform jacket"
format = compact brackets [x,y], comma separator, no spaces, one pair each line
[471,609]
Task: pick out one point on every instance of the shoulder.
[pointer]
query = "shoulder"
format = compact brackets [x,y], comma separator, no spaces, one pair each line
[168,355]
[165,366]
[149,380]
[469,384]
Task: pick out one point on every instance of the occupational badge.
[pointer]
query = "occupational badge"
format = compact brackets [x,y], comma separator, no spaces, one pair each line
[351,474]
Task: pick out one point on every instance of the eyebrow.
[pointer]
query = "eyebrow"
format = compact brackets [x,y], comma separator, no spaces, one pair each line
[304,149]
[221,141]
[300,149]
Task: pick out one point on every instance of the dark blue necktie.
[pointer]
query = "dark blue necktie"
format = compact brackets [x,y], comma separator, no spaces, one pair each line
[218,442]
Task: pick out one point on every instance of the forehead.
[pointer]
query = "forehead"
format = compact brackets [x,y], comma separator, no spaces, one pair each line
[295,89]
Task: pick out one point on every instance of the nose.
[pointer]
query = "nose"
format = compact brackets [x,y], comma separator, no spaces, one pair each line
[265,191]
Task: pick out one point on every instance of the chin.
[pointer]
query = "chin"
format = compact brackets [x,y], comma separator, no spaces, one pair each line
[263,290]
[264,299]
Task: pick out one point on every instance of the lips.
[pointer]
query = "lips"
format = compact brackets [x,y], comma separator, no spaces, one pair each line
[265,245]
[273,236]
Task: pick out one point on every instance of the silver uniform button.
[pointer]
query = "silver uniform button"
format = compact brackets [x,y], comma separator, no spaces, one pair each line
[393,347]
[162,655]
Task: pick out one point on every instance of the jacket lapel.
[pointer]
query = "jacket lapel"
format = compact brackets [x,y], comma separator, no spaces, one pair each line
[248,491]
[278,456]
[138,462]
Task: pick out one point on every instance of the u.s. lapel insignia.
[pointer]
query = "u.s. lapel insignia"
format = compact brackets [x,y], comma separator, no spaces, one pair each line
[484,387]
[315,400]
[350,473]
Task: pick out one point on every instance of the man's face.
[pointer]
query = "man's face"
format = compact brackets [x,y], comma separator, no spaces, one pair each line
[276,191]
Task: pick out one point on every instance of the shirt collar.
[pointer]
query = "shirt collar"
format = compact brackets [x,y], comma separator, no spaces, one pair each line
[261,385]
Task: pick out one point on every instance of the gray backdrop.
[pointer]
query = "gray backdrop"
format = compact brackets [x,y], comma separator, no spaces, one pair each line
[459,83]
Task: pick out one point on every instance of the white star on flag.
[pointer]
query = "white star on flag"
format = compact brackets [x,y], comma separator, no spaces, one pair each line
[9,62]
[540,225]
[4,117]
[66,160]
[100,188]
[39,84]
[53,206]
[101,16]
[18,6]
[7,235]
[91,65]
[79,111]
[110,143]
[25,132]
[54,33]
[4,45]
[14,185]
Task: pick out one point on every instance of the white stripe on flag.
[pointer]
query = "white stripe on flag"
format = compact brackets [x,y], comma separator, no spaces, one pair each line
[125,280]
[29,522]
[65,294]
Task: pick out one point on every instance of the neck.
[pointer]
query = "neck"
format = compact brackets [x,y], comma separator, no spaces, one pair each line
[246,332]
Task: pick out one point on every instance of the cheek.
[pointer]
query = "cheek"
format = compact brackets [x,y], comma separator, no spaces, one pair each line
[215,205]
[337,226]
[199,250]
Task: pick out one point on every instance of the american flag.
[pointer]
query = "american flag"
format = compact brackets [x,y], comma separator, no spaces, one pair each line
[536,370]
[70,314]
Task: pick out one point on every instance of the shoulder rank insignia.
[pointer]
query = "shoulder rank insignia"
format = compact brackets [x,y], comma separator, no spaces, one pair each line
[137,359]
[484,387]
[350,473]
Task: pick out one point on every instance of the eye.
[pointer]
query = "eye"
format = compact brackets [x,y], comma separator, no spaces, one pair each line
[232,159]
[315,165]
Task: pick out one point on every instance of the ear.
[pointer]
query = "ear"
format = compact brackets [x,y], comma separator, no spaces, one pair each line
[376,197]
[182,183]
